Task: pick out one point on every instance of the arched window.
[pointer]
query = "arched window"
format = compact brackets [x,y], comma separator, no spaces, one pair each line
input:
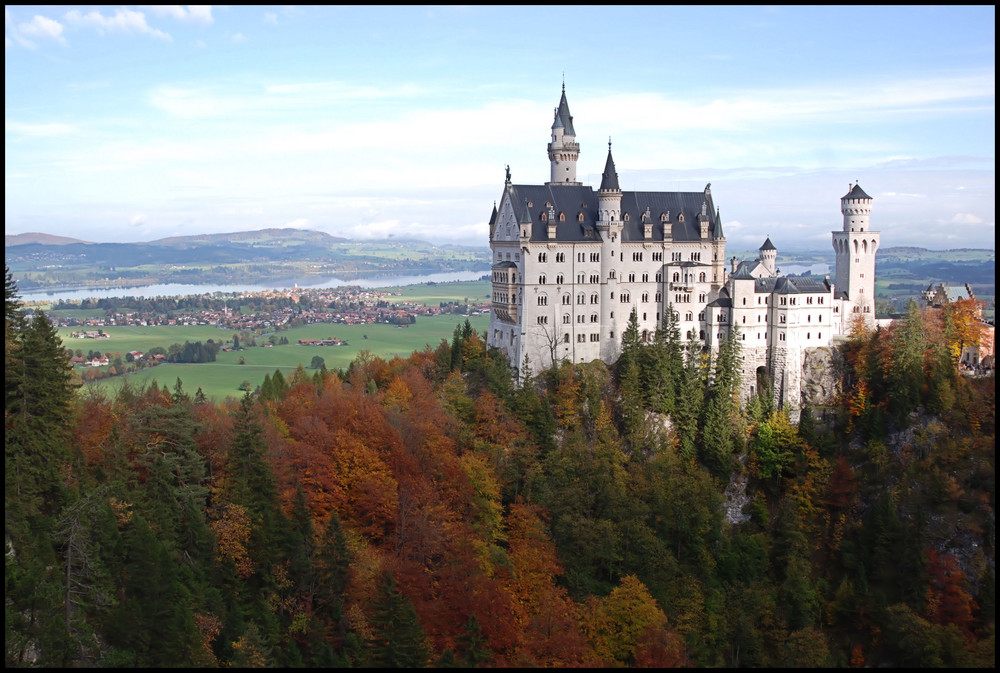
[677,277]
[562,217]
[542,300]
[579,216]
[701,277]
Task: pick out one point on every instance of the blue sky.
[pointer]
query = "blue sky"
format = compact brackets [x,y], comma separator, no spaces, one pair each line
[136,123]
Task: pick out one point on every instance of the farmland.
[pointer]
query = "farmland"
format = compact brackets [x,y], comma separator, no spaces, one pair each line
[222,378]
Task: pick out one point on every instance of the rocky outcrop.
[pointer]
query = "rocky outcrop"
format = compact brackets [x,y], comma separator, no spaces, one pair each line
[821,376]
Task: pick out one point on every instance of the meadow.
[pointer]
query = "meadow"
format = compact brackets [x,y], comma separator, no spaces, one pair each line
[222,378]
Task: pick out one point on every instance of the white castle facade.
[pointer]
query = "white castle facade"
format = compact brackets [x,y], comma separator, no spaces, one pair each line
[571,263]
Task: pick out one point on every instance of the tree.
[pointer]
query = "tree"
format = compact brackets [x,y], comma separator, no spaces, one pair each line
[38,415]
[398,640]
[317,363]
[629,383]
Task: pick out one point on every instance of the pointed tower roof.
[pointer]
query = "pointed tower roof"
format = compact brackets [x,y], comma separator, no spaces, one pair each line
[563,115]
[526,215]
[856,193]
[768,245]
[718,224]
[610,179]
[493,217]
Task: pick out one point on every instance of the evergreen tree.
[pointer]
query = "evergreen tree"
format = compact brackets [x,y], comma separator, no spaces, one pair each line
[629,384]
[38,417]
[689,405]
[398,639]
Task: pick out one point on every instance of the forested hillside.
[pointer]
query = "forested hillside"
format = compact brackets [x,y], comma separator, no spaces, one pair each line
[427,511]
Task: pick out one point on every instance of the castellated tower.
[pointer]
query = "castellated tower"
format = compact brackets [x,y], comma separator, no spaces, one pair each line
[769,256]
[855,246]
[563,150]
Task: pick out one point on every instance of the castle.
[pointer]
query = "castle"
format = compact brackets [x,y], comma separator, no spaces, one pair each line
[571,263]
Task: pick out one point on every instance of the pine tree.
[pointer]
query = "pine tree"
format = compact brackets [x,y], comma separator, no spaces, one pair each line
[398,639]
[629,384]
[38,417]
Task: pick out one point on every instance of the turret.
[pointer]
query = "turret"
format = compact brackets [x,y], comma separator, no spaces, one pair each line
[563,150]
[856,207]
[768,256]
[610,195]
[855,246]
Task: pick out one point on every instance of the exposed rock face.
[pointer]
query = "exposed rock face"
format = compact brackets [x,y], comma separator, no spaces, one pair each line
[736,499]
[821,376]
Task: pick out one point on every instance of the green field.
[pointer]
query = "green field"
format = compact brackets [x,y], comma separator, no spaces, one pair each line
[222,378]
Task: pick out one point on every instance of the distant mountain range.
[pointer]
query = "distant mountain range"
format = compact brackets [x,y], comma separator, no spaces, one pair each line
[261,237]
[44,261]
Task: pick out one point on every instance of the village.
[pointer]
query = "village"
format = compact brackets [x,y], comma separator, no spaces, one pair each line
[298,307]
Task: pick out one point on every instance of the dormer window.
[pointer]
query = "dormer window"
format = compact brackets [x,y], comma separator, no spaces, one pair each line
[562,217]
[663,217]
[545,217]
[579,216]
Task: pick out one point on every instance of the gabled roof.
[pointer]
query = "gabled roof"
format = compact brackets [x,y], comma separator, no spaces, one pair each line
[572,200]
[790,285]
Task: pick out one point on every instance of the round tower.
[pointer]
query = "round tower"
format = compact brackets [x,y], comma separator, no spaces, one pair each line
[614,314]
[563,150]
[768,256]
[855,246]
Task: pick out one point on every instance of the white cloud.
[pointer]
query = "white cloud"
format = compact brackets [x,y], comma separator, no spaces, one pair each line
[271,18]
[124,21]
[965,218]
[42,27]
[195,13]
[298,223]
[37,130]
[137,220]
[836,104]
[239,38]
[194,102]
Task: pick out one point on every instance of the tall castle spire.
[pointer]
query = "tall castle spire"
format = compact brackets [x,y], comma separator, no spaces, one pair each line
[563,150]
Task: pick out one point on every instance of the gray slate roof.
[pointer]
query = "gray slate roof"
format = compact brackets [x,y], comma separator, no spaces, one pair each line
[564,116]
[856,193]
[574,199]
[610,178]
[789,285]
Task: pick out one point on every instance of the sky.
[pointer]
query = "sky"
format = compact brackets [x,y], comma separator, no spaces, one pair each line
[133,123]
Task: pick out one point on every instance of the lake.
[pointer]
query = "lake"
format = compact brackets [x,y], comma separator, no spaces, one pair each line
[181,289]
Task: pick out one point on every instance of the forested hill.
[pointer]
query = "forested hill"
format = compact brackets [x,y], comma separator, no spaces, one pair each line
[426,511]
[43,262]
